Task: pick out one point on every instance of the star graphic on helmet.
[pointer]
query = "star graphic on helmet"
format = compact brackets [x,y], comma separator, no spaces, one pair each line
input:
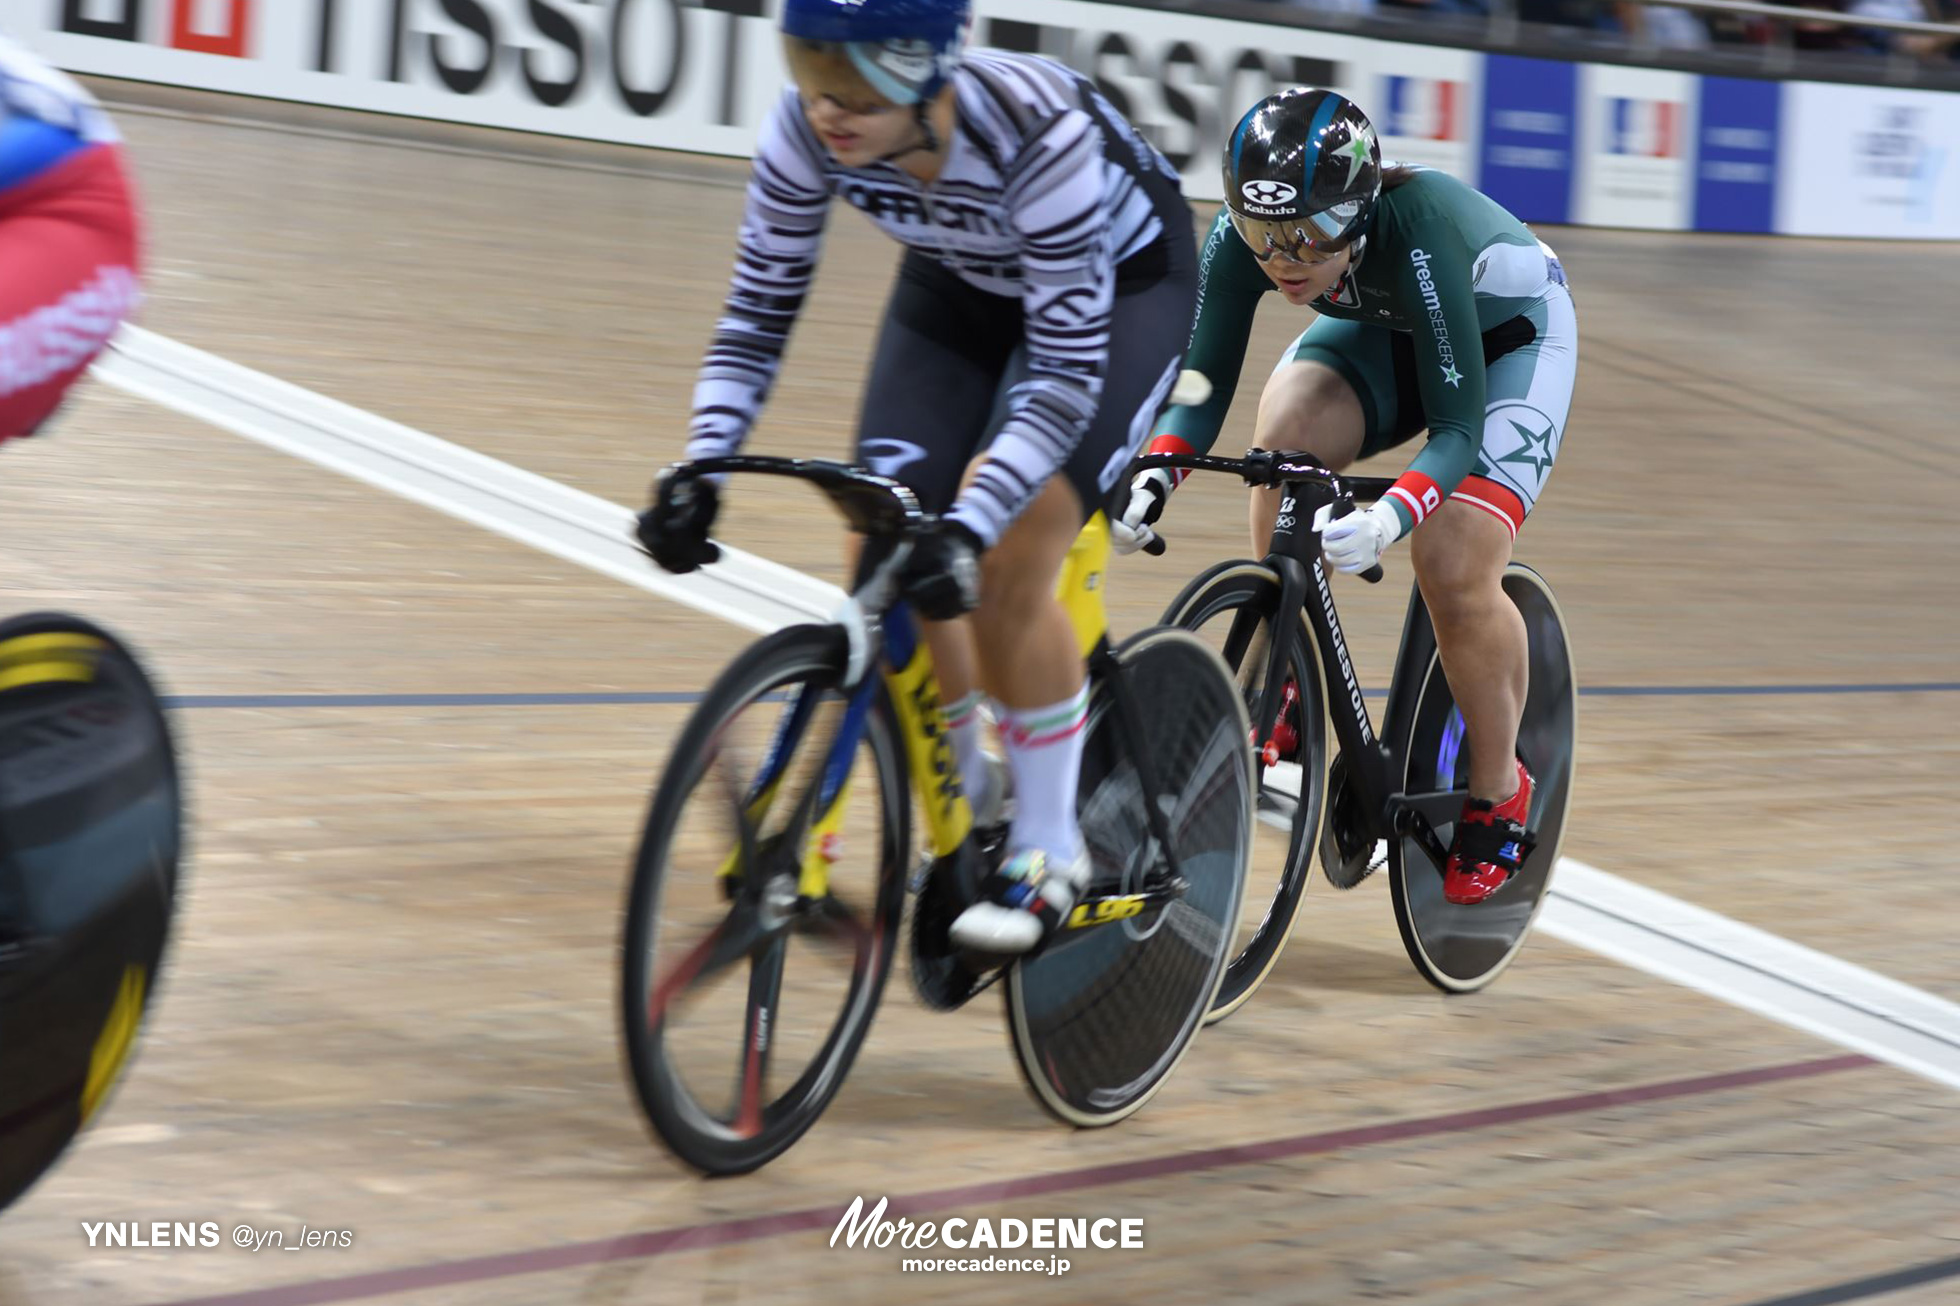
[1535,452]
[1358,152]
[1451,375]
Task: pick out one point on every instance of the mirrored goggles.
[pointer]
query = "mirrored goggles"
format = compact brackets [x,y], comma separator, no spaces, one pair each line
[861,76]
[1312,238]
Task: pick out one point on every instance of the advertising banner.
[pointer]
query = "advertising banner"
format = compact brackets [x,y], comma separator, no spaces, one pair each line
[1427,106]
[1867,161]
[679,74]
[1553,141]
[694,75]
[1635,133]
[1529,130]
[1738,130]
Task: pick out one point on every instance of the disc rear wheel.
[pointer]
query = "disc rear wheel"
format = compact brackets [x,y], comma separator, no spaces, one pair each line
[1462,949]
[1102,1015]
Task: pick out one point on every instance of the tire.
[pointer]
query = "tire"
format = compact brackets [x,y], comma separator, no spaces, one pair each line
[91,844]
[1463,949]
[1101,1016]
[1213,600]
[658,990]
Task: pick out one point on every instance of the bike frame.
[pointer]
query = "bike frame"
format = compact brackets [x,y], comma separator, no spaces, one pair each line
[1374,764]
[875,619]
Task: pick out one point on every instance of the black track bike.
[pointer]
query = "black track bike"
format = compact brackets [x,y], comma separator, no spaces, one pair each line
[1275,623]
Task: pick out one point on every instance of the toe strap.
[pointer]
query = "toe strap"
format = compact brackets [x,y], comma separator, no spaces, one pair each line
[1504,844]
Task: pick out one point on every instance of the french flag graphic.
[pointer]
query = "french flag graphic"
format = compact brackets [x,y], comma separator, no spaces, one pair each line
[1648,129]
[1422,108]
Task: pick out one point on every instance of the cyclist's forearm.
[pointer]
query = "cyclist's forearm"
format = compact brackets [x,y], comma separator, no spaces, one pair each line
[1449,362]
[1434,475]
[1200,426]
[1228,299]
[776,258]
[1047,421]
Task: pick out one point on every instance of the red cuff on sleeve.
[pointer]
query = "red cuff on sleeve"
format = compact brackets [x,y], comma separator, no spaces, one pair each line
[1168,443]
[1417,494]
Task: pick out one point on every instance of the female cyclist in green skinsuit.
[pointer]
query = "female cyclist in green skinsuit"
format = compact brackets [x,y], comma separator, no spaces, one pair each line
[1438,310]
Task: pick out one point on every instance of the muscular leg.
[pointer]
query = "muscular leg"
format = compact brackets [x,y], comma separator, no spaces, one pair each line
[1460,554]
[1020,645]
[1026,644]
[1311,408]
[1029,660]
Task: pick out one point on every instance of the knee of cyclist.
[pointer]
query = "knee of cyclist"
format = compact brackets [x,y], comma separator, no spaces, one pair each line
[1011,590]
[1457,594]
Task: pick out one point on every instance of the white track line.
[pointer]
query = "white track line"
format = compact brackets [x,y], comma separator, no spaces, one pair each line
[1639,927]
[531,509]
[1755,970]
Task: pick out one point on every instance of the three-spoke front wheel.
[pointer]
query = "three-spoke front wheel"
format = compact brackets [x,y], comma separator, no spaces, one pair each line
[760,921]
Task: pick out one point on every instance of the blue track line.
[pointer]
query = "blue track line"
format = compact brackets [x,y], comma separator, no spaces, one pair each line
[670,698]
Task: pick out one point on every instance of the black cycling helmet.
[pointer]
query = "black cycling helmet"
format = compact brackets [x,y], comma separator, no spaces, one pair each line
[1302,174]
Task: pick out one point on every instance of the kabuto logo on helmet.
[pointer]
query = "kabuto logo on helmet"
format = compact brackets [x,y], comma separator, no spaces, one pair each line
[1270,194]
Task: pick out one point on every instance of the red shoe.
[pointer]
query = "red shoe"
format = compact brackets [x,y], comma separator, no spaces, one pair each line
[1284,746]
[1490,845]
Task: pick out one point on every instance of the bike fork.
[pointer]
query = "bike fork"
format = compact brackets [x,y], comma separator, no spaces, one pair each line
[1272,695]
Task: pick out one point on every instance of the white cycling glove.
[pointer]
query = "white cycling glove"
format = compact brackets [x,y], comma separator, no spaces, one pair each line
[1357,541]
[1149,492]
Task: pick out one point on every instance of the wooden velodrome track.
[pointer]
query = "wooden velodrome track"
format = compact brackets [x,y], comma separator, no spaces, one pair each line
[390,1008]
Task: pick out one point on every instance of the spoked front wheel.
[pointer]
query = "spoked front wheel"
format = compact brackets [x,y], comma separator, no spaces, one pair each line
[761,918]
[1462,949]
[1102,1015]
[1233,608]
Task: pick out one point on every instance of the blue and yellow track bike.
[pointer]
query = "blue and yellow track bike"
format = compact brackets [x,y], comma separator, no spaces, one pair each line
[766,899]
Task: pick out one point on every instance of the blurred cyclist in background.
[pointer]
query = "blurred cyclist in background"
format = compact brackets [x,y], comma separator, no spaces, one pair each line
[1037,328]
[68,237]
[88,792]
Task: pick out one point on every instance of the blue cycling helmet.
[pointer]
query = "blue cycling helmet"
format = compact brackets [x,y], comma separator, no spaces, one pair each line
[864,53]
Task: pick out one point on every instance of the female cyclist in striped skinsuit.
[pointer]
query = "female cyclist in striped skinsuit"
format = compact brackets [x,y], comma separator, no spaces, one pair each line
[1036,329]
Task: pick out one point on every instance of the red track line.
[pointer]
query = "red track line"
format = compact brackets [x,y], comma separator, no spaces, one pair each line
[720,1233]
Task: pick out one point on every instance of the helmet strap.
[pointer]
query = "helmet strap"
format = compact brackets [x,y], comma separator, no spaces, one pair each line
[928,141]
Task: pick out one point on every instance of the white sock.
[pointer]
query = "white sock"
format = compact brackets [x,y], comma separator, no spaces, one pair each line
[969,734]
[1044,751]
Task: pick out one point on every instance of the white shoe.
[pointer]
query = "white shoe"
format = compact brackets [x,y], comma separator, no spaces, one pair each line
[1027,899]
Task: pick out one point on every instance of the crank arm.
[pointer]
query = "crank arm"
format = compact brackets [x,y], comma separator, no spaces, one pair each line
[1412,824]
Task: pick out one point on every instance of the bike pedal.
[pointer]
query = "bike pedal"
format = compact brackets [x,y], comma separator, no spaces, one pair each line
[986,967]
[992,843]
